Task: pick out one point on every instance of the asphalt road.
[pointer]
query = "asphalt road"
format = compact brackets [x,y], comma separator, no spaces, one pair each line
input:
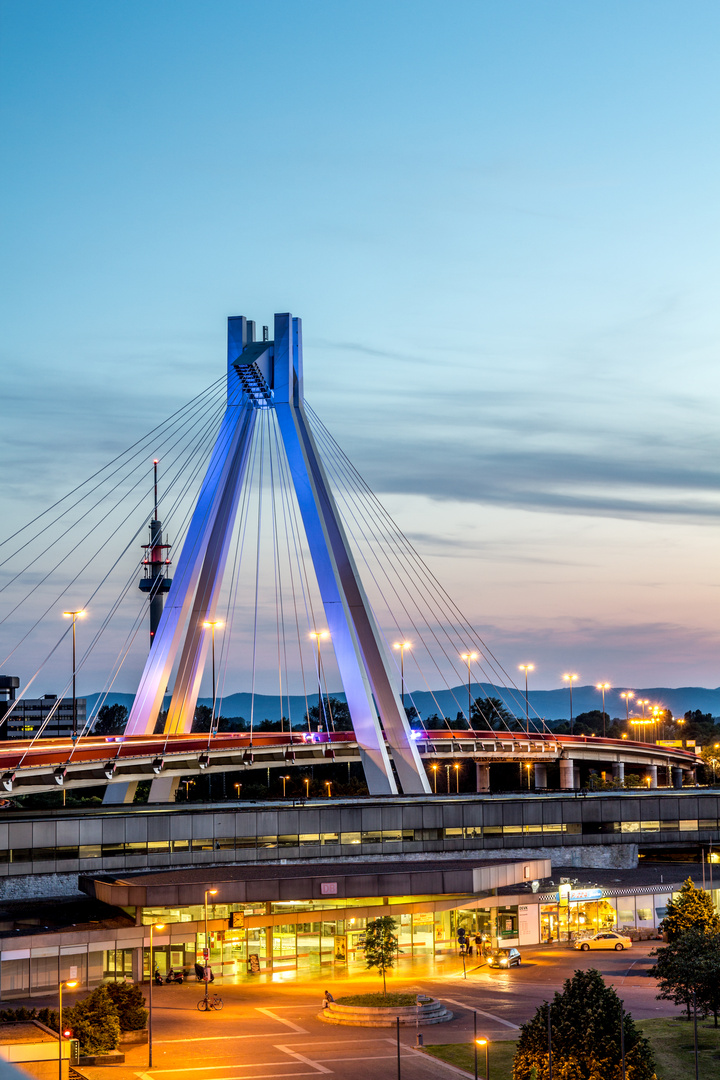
[272,1031]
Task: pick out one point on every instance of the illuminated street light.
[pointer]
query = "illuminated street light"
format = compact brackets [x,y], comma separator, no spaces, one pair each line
[603,686]
[79,613]
[402,646]
[469,657]
[71,986]
[318,634]
[284,780]
[571,679]
[456,767]
[306,782]
[435,772]
[155,926]
[212,625]
[626,696]
[526,668]
[328,785]
[208,892]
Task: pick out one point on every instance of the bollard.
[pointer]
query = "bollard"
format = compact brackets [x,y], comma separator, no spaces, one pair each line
[419,1040]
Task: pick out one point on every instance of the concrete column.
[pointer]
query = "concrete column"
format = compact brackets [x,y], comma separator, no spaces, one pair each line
[540,775]
[618,770]
[576,777]
[567,774]
[652,773]
[482,777]
[677,777]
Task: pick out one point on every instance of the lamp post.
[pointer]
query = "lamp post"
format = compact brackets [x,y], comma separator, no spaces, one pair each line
[626,697]
[74,615]
[486,1044]
[526,668]
[447,777]
[306,782]
[571,679]
[402,646]
[212,625]
[468,657]
[71,986]
[208,892]
[603,686]
[317,634]
[237,790]
[435,772]
[328,785]
[156,926]
[456,767]
[284,780]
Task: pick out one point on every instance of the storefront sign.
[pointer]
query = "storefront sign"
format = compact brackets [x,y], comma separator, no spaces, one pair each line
[328,888]
[575,894]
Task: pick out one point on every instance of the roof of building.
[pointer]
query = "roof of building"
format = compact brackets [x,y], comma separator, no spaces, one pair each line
[25,1031]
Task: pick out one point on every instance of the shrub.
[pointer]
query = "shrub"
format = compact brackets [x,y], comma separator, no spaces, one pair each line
[94,1022]
[129,1001]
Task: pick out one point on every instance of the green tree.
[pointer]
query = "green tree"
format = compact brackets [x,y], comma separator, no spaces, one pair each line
[381,945]
[585,1025]
[492,713]
[690,964]
[692,909]
[94,1022]
[111,720]
[201,720]
[129,1001]
[335,712]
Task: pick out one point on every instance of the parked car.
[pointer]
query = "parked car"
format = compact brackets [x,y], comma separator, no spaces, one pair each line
[503,958]
[605,939]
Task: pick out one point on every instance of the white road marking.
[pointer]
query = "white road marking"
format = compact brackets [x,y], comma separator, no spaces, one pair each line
[226,1038]
[245,1076]
[287,1023]
[491,1016]
[305,1060]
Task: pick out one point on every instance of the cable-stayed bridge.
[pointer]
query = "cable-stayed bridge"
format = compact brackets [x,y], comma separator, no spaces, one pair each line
[283,561]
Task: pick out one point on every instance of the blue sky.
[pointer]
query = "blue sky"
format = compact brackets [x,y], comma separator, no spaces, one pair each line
[499,222]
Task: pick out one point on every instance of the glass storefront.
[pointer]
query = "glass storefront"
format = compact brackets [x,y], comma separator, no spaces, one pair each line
[562,921]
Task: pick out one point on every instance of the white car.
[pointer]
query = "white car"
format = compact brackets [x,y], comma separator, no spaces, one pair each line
[605,939]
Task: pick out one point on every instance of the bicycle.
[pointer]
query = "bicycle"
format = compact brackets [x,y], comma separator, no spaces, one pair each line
[214,1002]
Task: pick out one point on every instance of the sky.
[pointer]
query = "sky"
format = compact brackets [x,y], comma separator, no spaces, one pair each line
[499,224]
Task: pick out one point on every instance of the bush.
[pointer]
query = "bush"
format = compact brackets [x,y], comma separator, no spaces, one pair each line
[129,1001]
[94,1022]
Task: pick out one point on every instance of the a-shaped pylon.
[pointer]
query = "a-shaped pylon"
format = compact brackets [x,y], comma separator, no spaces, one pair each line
[263,374]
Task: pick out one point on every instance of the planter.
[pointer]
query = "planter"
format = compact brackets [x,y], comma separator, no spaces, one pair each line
[430,1012]
[134,1038]
[113,1057]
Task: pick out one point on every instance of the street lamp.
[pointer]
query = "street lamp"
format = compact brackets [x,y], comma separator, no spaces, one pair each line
[208,892]
[317,634]
[526,668]
[74,615]
[435,772]
[188,784]
[603,686]
[626,697]
[402,646]
[469,657]
[71,986]
[156,926]
[306,782]
[571,679]
[486,1044]
[237,790]
[212,626]
[528,767]
[284,780]
[456,767]
[328,785]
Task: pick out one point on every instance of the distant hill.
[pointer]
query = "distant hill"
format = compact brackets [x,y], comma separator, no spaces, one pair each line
[549,704]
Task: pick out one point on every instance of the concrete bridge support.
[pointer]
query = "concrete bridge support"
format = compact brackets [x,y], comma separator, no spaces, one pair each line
[677,777]
[482,777]
[652,775]
[567,774]
[618,771]
[540,775]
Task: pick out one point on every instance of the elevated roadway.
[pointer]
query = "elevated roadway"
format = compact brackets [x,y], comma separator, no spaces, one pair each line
[30,767]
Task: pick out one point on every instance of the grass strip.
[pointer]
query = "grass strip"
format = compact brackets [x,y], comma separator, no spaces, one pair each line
[378,1000]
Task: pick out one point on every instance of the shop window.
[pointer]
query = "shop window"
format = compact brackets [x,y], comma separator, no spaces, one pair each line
[330,838]
[512,830]
[492,830]
[688,824]
[630,826]
[200,844]
[396,836]
[473,832]
[626,916]
[225,843]
[139,848]
[552,827]
[181,845]
[533,828]
[157,847]
[373,836]
[113,851]
[707,823]
[651,826]
[644,914]
[350,838]
[309,839]
[267,841]
[288,840]
[453,834]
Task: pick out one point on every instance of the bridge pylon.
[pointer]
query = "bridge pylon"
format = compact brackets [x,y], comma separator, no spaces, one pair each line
[269,375]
